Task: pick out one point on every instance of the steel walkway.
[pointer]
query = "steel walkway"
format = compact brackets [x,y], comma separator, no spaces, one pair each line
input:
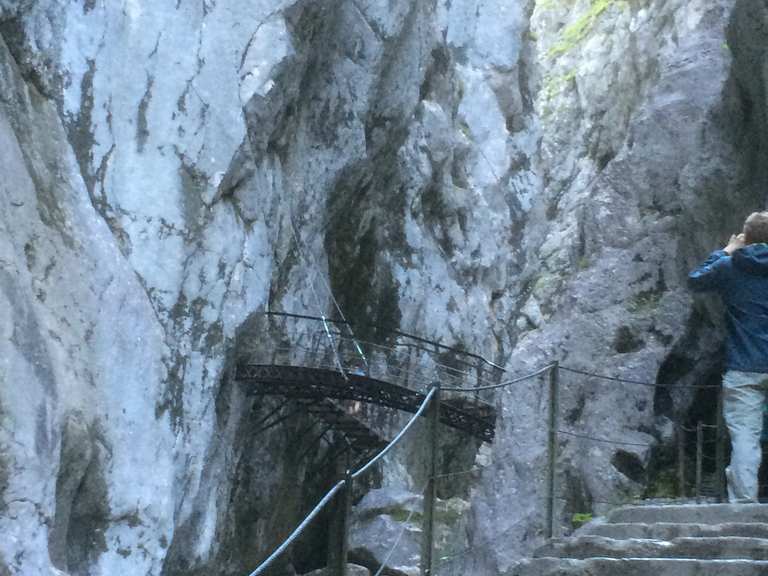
[316,361]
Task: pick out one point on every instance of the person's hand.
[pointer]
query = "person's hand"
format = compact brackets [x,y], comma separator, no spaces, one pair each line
[736,242]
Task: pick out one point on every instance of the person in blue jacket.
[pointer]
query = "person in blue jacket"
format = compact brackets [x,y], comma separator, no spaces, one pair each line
[739,275]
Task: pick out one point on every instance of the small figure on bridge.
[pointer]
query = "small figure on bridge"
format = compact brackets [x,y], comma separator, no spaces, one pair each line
[739,275]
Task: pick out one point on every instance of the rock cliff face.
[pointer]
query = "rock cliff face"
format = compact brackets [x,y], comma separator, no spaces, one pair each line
[528,180]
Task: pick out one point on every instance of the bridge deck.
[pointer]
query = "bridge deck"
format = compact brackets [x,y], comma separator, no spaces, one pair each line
[475,418]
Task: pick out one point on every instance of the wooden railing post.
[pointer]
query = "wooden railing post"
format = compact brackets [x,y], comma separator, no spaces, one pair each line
[430,493]
[720,449]
[554,400]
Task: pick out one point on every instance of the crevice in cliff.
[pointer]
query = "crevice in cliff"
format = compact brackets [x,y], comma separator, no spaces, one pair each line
[82,516]
[142,122]
[690,360]
[33,69]
[362,284]
[259,505]
[748,42]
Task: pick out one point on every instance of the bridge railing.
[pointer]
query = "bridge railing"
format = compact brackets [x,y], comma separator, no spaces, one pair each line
[406,360]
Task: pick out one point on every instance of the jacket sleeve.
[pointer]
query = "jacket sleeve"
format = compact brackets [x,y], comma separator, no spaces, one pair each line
[709,275]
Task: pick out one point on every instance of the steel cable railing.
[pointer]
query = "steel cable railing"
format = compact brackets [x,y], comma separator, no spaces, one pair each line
[299,529]
[555,431]
[530,376]
[602,440]
[397,438]
[638,382]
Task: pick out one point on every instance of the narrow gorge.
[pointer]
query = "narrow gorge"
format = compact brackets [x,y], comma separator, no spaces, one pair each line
[529,181]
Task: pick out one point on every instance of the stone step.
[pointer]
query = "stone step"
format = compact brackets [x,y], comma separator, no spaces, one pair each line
[668,530]
[583,547]
[691,514]
[637,567]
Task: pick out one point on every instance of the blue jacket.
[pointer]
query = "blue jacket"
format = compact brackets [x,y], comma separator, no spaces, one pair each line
[741,280]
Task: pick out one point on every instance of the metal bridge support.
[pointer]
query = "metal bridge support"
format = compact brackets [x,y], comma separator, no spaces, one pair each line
[554,401]
[339,536]
[430,493]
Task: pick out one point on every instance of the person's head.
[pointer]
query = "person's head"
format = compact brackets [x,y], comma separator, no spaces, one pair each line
[756,228]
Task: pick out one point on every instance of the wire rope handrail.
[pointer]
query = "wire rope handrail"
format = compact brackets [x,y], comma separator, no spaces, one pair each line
[459,373]
[603,440]
[538,372]
[396,439]
[313,263]
[583,373]
[639,382]
[409,361]
[299,529]
[394,332]
[297,239]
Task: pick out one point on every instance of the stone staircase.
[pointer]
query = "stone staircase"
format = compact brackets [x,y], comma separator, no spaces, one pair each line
[661,540]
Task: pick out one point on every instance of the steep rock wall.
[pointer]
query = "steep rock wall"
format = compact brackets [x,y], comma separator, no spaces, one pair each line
[530,181]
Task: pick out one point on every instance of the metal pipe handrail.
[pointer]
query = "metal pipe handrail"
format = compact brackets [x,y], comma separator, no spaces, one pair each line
[355,342]
[396,439]
[538,372]
[448,371]
[299,529]
[397,332]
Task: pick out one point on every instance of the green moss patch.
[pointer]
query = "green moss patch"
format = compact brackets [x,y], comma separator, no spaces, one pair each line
[578,30]
[580,518]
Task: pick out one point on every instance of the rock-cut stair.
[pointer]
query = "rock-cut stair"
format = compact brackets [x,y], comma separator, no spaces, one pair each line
[661,540]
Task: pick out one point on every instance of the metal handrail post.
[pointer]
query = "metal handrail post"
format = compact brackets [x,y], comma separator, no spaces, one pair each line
[430,493]
[699,456]
[554,400]
[344,531]
[340,546]
[681,460]
[720,449]
[479,376]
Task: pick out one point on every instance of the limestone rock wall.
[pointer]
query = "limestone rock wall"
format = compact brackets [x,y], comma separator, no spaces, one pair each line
[529,180]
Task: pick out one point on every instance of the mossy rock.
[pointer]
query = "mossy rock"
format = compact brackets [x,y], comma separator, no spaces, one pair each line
[578,30]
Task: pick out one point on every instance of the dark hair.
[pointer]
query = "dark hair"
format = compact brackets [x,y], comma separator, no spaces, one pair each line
[756,228]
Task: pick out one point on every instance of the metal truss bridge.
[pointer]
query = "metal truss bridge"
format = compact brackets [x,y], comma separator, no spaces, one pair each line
[319,364]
